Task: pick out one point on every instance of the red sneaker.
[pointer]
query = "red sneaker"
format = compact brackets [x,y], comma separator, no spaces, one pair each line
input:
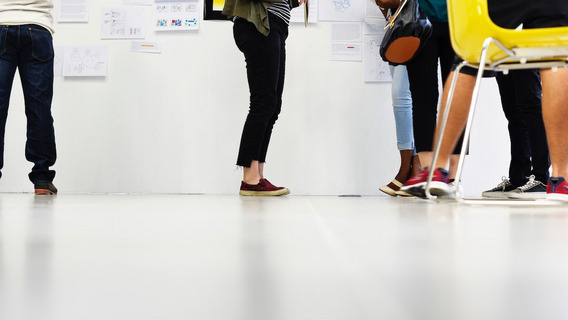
[439,186]
[263,188]
[557,189]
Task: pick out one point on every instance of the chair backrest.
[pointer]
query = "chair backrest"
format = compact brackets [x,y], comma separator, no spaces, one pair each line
[470,25]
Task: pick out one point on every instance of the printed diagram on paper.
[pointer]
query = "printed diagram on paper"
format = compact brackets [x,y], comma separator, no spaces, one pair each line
[342,10]
[342,5]
[376,70]
[85,61]
[171,16]
[123,23]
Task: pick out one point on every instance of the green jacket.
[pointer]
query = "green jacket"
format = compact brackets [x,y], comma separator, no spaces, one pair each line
[254,11]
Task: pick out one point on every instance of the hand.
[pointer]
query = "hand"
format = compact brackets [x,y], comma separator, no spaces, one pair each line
[302,2]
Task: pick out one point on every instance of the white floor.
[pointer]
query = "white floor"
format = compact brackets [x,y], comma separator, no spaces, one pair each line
[291,258]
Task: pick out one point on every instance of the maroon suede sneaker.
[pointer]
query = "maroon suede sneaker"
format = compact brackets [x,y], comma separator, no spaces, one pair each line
[263,188]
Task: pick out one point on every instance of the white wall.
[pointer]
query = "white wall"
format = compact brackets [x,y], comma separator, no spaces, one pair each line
[171,122]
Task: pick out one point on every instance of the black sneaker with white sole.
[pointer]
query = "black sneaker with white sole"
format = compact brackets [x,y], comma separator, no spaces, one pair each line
[533,189]
[501,190]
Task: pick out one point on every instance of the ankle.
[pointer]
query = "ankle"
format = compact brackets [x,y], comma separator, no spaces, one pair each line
[251,181]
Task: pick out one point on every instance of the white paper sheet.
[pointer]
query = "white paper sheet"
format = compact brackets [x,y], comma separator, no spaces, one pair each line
[346,41]
[73,11]
[177,16]
[376,70]
[146,46]
[58,61]
[85,61]
[341,10]
[123,23]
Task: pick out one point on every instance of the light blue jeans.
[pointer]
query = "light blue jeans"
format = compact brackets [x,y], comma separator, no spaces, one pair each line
[402,107]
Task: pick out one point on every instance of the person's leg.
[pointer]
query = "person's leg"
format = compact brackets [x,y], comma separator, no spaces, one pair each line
[262,60]
[8,65]
[520,164]
[529,100]
[423,81]
[457,117]
[402,109]
[554,102]
[36,73]
[280,30]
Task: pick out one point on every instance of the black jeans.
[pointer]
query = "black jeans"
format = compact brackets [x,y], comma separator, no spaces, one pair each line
[521,96]
[265,58]
[29,49]
[423,79]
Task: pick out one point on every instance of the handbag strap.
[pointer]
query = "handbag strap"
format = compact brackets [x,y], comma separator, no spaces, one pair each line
[395,15]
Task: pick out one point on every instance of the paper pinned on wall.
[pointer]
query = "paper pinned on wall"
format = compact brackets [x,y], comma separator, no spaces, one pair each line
[73,11]
[346,41]
[123,23]
[376,70]
[85,61]
[58,61]
[146,46]
[177,16]
[341,10]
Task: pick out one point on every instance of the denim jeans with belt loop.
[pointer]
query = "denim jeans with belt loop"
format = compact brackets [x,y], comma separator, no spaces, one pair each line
[29,49]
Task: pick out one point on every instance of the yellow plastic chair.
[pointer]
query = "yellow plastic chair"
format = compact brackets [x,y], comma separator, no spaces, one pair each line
[485,46]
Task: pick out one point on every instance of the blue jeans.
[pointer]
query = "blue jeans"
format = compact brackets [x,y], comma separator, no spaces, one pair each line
[402,107]
[266,60]
[29,48]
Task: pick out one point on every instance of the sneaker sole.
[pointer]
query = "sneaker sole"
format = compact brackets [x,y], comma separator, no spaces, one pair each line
[496,194]
[436,189]
[281,192]
[557,197]
[45,192]
[527,195]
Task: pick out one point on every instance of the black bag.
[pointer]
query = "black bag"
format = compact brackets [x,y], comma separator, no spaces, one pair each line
[407,31]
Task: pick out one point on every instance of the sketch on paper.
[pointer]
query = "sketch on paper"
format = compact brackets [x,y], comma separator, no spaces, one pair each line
[173,16]
[88,61]
[342,10]
[376,70]
[342,5]
[123,23]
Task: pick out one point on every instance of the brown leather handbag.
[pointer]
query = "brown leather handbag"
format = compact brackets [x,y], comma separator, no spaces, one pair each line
[406,32]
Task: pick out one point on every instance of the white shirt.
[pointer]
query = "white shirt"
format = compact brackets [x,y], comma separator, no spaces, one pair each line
[19,12]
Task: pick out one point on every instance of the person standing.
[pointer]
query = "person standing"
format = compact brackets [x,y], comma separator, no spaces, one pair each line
[260,30]
[402,108]
[521,98]
[26,45]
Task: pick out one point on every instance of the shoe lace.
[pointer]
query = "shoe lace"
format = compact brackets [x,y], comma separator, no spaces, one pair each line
[530,184]
[504,183]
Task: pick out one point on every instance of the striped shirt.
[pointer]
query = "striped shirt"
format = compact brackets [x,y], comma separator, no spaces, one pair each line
[281,10]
